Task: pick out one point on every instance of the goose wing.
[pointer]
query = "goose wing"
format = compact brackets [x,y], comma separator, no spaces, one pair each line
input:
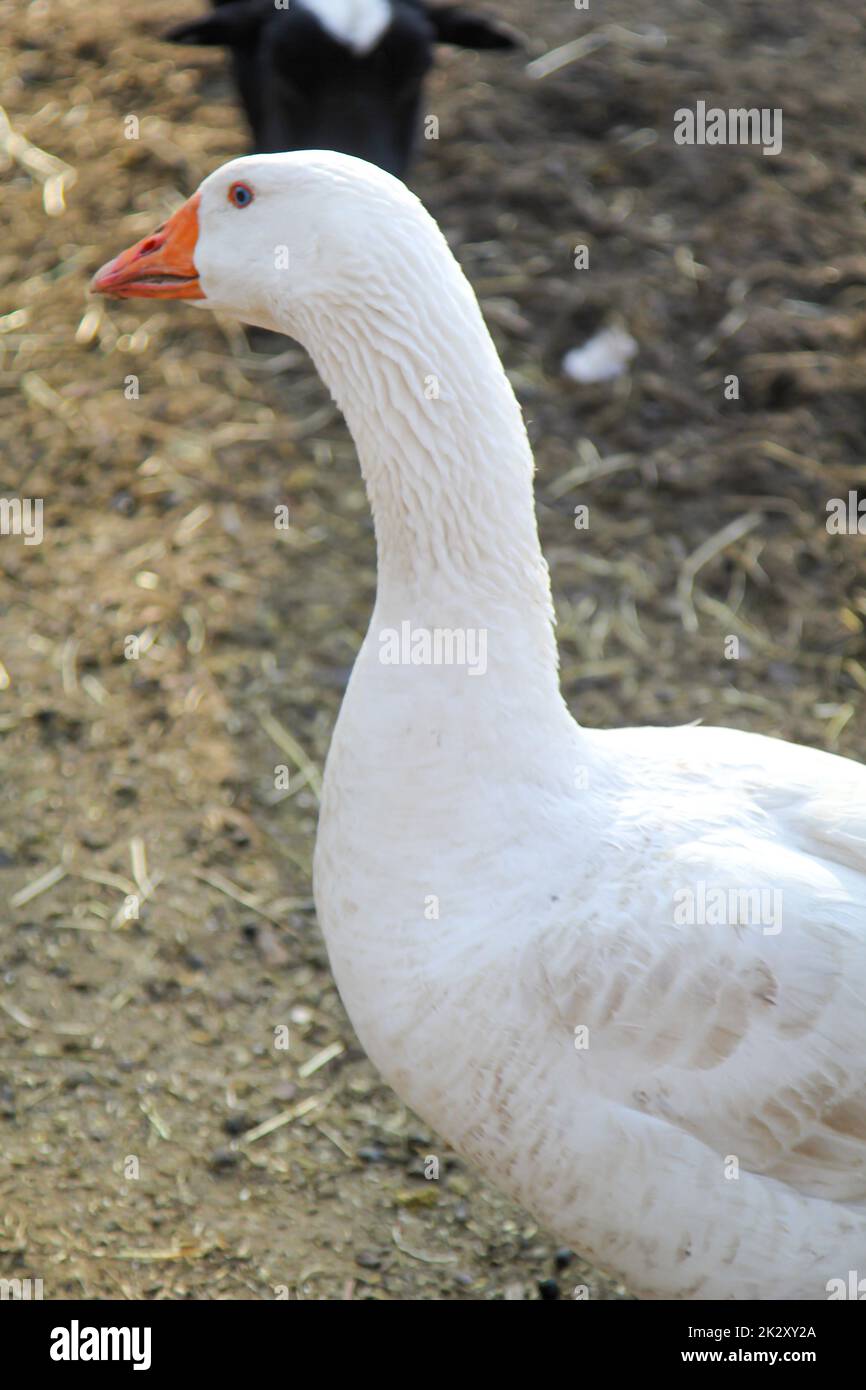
[720,972]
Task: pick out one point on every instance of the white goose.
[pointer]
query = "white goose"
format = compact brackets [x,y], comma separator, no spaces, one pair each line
[512,903]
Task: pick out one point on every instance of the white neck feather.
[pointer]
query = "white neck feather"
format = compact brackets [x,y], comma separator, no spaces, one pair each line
[431,772]
[442,446]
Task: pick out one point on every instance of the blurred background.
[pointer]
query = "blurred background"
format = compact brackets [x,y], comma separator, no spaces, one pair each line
[154,862]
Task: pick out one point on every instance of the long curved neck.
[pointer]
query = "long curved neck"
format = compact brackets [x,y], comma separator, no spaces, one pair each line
[443,450]
[430,761]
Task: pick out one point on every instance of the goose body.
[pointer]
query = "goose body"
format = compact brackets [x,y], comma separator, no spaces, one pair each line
[623,972]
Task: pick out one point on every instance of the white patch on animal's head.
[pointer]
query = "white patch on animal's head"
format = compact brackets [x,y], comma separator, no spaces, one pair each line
[313,232]
[359,24]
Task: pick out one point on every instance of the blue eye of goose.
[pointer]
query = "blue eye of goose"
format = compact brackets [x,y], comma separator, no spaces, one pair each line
[240,195]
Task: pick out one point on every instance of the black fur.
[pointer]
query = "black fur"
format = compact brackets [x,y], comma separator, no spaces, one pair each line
[303,89]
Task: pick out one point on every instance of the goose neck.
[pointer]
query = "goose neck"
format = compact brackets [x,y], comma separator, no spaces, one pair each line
[444,454]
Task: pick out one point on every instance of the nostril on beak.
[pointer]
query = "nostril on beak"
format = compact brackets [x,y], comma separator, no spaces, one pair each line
[153,243]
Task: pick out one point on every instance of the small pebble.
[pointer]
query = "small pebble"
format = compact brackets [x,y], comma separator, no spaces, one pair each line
[123,502]
[79,1077]
[223,1160]
[371,1153]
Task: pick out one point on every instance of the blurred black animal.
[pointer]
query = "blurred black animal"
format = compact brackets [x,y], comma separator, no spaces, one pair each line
[343,75]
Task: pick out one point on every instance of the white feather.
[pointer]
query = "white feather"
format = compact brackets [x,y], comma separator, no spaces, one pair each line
[491,878]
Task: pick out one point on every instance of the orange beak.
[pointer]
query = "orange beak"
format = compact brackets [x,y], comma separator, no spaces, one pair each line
[159,267]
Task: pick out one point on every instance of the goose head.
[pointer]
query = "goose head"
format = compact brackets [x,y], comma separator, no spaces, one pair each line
[275,240]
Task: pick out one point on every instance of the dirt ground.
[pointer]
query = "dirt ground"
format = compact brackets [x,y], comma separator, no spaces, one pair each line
[155,1142]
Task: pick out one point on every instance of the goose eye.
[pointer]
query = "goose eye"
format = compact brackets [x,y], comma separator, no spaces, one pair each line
[240,195]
